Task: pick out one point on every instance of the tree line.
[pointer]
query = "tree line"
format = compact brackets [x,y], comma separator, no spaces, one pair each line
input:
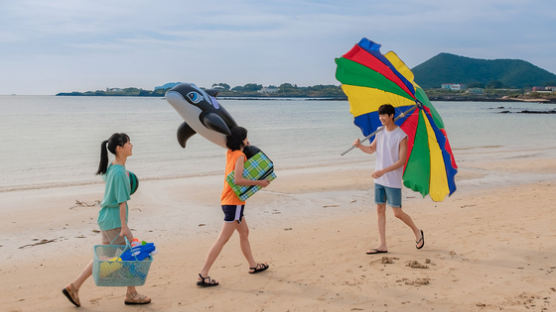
[224,89]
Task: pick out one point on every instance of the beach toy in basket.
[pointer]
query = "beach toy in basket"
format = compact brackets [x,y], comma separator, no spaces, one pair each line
[257,167]
[122,265]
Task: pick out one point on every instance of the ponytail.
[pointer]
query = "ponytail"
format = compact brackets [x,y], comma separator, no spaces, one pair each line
[117,139]
[102,166]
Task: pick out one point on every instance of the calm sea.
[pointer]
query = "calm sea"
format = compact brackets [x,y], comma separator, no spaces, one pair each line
[54,141]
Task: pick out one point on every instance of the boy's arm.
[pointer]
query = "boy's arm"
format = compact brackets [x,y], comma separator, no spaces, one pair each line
[397,164]
[367,149]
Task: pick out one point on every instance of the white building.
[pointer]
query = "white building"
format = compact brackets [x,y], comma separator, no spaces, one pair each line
[268,90]
[452,86]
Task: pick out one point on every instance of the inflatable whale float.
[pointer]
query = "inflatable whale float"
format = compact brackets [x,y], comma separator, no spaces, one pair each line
[201,113]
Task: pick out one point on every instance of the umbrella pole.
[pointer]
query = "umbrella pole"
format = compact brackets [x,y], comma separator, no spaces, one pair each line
[409,110]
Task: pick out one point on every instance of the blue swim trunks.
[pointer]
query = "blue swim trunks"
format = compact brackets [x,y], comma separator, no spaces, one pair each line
[233,213]
[391,194]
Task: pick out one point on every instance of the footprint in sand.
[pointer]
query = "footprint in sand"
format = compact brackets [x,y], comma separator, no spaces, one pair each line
[417,282]
[388,260]
[414,264]
[529,301]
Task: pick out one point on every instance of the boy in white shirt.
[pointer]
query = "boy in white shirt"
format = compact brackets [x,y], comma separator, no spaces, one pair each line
[390,145]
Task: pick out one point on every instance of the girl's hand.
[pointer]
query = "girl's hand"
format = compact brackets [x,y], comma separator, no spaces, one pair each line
[125,231]
[377,174]
[357,143]
[264,183]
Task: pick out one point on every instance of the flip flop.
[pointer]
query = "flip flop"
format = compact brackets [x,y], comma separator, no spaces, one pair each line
[258,268]
[376,251]
[422,239]
[71,294]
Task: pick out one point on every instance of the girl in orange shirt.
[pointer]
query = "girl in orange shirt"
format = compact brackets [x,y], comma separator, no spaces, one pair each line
[233,207]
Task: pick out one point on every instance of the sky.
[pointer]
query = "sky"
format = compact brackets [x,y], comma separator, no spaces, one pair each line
[55,46]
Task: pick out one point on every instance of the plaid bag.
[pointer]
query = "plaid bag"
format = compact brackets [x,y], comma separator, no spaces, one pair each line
[258,167]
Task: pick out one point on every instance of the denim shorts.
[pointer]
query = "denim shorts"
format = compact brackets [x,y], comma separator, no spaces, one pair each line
[391,194]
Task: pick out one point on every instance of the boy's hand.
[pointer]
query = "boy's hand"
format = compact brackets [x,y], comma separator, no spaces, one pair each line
[357,143]
[264,183]
[377,174]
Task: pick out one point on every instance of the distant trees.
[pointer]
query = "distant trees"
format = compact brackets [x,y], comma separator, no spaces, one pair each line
[250,89]
[475,84]
[285,89]
[494,85]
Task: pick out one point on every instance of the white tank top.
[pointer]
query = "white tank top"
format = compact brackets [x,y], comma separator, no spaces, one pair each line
[387,153]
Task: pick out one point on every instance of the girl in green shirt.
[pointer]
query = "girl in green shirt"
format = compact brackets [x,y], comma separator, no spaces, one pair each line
[112,218]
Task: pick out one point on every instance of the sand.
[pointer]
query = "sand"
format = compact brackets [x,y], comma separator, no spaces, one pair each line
[489,247]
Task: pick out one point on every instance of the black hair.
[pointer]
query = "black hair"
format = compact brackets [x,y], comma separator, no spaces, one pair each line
[117,139]
[234,141]
[386,109]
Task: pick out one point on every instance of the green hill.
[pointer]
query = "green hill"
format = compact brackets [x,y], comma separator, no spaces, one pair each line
[508,73]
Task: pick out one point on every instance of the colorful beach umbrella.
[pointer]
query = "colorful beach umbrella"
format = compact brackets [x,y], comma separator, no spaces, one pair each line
[371,79]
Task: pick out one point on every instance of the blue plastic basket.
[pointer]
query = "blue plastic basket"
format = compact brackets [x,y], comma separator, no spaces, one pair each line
[109,271]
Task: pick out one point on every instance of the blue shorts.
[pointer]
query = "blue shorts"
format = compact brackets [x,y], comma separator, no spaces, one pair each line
[233,213]
[391,194]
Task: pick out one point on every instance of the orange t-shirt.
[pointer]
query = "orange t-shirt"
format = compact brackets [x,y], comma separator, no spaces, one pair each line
[228,196]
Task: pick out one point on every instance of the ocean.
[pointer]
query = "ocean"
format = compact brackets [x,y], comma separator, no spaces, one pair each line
[49,141]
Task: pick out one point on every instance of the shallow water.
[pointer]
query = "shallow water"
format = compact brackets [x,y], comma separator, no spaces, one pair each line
[49,141]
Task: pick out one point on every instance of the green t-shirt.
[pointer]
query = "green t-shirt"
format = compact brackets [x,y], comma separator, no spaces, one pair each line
[117,191]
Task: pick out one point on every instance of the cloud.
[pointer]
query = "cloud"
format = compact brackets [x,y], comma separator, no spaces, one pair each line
[107,43]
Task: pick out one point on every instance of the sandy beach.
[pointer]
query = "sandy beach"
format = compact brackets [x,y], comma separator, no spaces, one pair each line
[488,247]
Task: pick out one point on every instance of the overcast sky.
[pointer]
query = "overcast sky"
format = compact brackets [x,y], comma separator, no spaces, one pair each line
[68,45]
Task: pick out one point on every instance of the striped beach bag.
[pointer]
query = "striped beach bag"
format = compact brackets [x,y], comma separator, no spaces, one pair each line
[257,167]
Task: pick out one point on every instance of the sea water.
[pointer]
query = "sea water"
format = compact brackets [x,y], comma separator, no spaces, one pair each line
[49,141]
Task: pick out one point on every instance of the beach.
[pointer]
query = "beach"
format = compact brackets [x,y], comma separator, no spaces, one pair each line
[487,248]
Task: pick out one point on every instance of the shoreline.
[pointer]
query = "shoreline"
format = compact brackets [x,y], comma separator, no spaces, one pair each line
[213,173]
[466,153]
[447,98]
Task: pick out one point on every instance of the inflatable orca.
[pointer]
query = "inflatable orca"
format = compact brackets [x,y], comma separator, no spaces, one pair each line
[202,114]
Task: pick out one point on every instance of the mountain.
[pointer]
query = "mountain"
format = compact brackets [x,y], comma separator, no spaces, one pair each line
[450,68]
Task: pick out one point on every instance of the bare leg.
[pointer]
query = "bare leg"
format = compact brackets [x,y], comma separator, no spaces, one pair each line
[398,213]
[227,230]
[243,231]
[381,216]
[88,271]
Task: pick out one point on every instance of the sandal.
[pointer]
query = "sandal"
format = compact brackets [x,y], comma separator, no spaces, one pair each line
[258,268]
[422,239]
[206,281]
[137,299]
[71,293]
